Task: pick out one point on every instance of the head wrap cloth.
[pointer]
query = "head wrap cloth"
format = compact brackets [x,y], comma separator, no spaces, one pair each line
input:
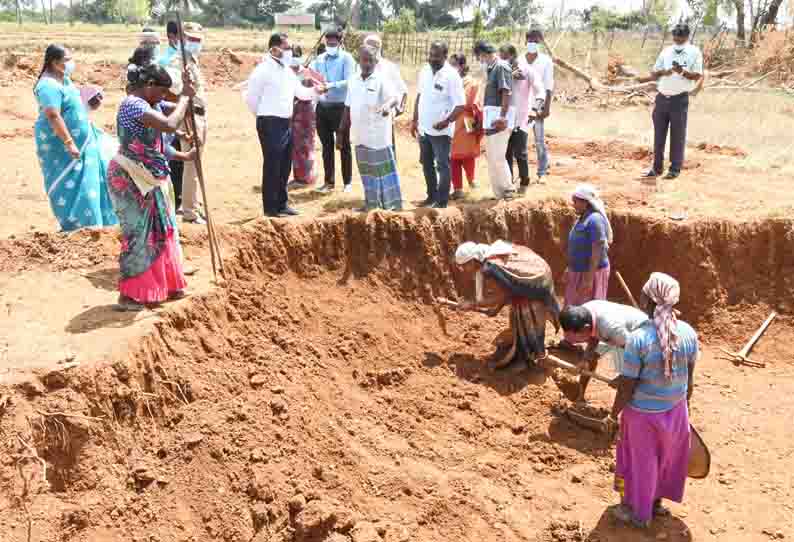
[588,193]
[665,292]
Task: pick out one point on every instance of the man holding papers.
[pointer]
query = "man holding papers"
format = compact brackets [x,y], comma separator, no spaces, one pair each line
[499,118]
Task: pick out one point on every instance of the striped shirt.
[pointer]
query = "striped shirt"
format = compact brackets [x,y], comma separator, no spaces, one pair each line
[644,361]
[589,229]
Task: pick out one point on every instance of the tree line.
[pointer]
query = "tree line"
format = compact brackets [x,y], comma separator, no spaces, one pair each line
[749,16]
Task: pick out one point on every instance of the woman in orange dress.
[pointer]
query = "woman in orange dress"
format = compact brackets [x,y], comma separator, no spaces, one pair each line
[466,141]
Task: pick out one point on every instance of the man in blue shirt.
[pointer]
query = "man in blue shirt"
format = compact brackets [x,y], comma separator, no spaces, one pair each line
[336,66]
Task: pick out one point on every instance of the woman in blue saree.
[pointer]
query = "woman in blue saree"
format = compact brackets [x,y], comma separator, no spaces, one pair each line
[68,151]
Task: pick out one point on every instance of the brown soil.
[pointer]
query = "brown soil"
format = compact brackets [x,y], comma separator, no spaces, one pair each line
[316,397]
[220,69]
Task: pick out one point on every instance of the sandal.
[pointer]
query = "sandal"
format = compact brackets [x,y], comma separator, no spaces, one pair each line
[623,513]
[660,511]
[125,304]
[176,295]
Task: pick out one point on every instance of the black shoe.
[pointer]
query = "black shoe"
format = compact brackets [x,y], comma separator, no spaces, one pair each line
[437,205]
[672,174]
[288,211]
[651,174]
[429,202]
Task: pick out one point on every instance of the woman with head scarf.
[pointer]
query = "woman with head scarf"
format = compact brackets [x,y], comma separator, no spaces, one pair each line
[151,270]
[68,152]
[654,389]
[507,274]
[587,275]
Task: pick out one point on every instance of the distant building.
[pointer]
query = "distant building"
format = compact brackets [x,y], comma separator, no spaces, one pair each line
[295,19]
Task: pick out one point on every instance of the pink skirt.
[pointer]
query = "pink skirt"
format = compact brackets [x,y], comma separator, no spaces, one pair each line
[652,457]
[163,278]
[574,297]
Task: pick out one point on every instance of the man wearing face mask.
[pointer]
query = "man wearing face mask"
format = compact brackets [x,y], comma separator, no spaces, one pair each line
[166,57]
[498,118]
[677,71]
[543,67]
[270,94]
[439,102]
[191,207]
[336,66]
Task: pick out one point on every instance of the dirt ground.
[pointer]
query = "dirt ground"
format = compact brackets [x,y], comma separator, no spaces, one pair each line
[319,396]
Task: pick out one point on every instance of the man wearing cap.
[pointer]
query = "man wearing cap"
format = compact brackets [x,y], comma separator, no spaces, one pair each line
[336,66]
[677,72]
[391,72]
[543,66]
[498,118]
[193,43]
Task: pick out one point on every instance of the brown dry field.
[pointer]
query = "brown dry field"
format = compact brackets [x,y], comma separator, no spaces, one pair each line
[315,395]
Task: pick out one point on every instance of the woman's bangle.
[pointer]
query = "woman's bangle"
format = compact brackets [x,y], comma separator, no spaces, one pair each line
[68,140]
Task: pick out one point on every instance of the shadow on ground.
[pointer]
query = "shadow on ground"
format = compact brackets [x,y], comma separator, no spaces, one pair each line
[104,279]
[103,317]
[671,529]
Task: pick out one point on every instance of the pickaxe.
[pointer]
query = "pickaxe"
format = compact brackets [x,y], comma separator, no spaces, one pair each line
[740,357]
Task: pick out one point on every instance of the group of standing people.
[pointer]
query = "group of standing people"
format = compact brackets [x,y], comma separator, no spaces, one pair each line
[292,98]
[450,119]
[355,108]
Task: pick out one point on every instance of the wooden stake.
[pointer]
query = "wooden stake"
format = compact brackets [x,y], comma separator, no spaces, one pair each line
[626,289]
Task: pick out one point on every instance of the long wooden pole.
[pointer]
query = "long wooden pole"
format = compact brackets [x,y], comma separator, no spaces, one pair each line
[626,289]
[191,116]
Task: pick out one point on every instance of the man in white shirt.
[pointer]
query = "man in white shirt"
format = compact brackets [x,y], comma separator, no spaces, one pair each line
[370,100]
[440,100]
[677,71]
[527,99]
[270,93]
[390,71]
[543,66]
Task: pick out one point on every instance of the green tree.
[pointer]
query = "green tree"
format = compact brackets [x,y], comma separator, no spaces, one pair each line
[404,23]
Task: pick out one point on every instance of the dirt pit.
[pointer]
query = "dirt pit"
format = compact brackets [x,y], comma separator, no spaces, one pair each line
[317,398]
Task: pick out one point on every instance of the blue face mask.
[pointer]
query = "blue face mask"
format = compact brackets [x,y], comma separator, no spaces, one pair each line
[332,51]
[193,47]
[68,68]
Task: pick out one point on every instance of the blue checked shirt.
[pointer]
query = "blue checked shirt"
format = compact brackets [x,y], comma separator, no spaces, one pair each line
[644,361]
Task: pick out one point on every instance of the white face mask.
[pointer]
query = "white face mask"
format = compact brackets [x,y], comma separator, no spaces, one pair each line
[286,57]
[532,48]
[68,68]
[484,66]
[680,48]
[332,51]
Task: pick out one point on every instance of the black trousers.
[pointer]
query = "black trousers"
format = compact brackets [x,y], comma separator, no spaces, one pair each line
[275,138]
[177,168]
[517,148]
[329,117]
[670,112]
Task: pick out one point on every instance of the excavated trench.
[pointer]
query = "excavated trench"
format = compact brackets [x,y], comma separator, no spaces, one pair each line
[320,397]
